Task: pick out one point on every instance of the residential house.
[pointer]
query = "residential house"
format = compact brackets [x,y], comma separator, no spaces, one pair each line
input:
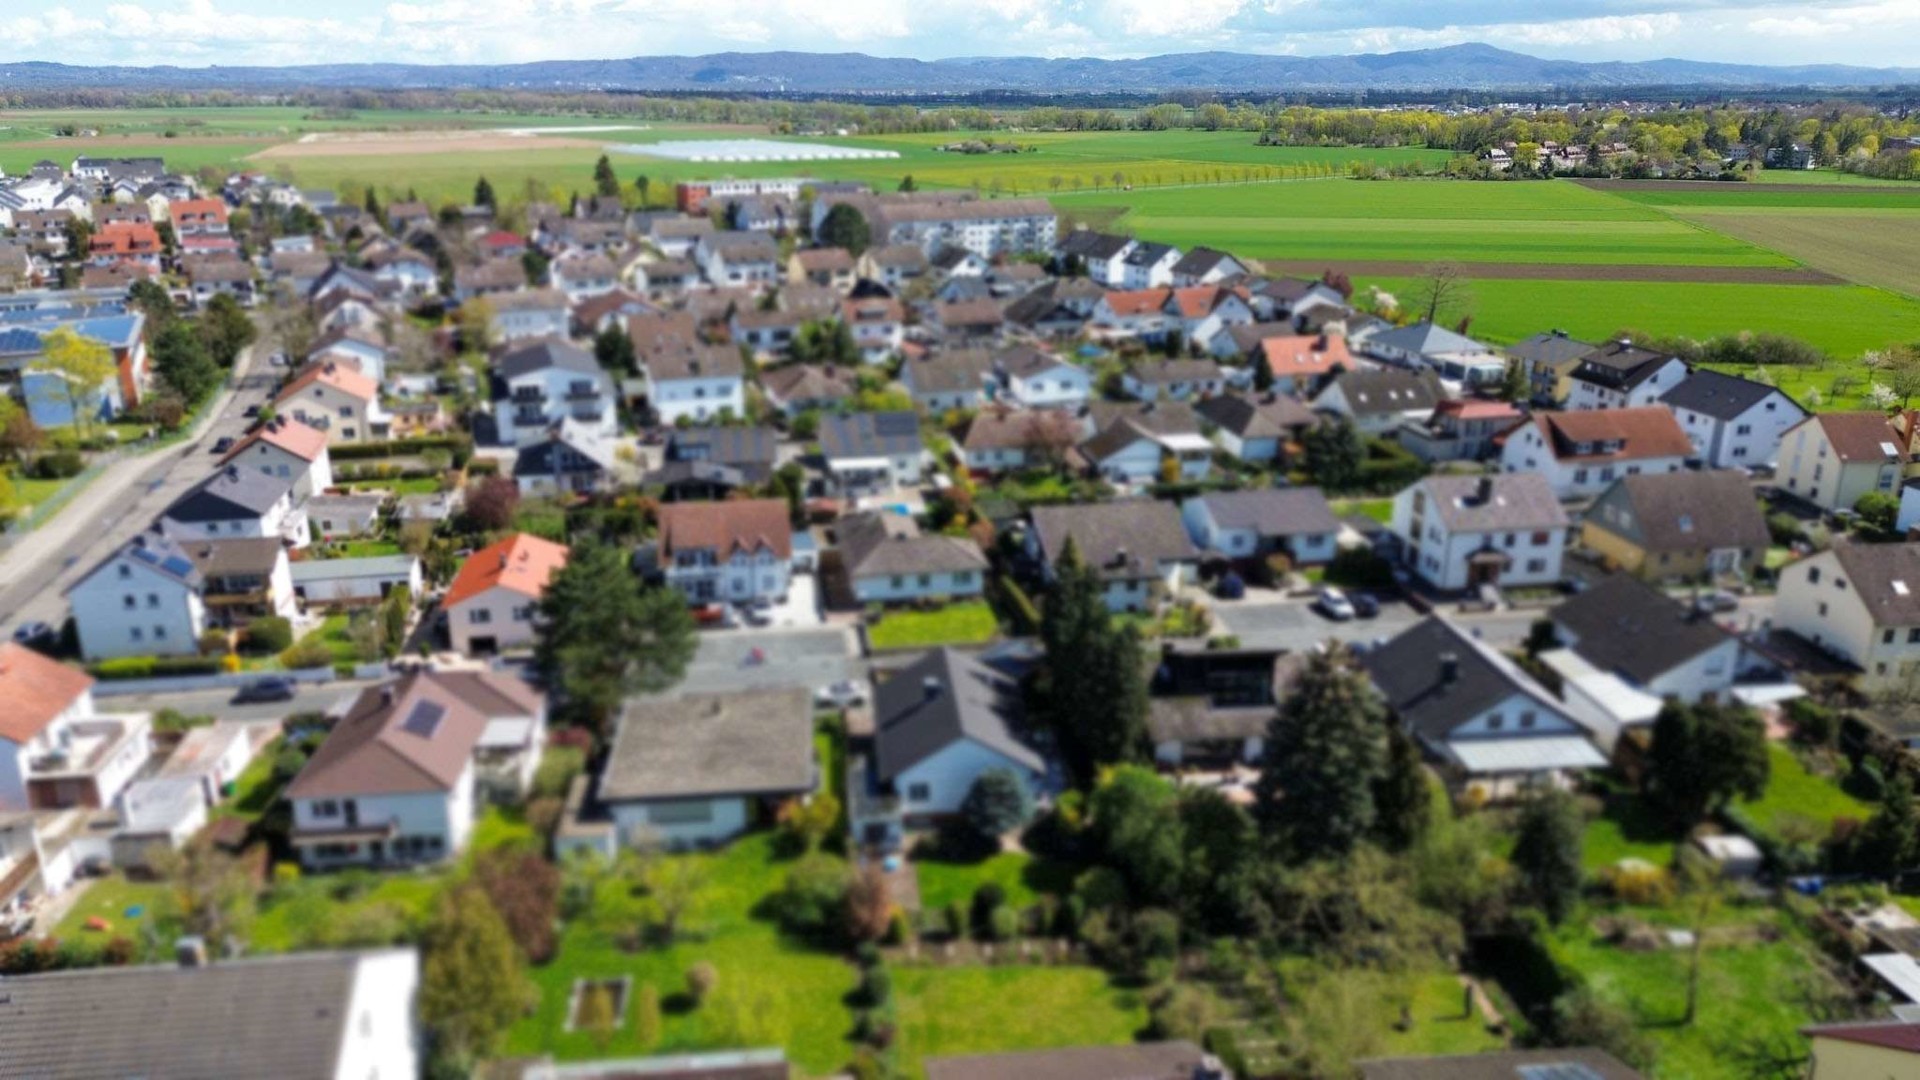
[361,581]
[1572,1063]
[583,275]
[1258,522]
[1581,454]
[990,228]
[1173,1060]
[1131,315]
[1301,365]
[1549,359]
[1058,309]
[1147,443]
[145,599]
[1212,707]
[1733,423]
[951,262]
[664,279]
[1380,401]
[1859,602]
[1470,708]
[1103,255]
[798,388]
[699,383]
[404,217]
[949,379]
[965,322]
[832,267]
[888,560]
[1832,459]
[1792,156]
[939,724]
[573,459]
[238,503]
[1174,380]
[46,395]
[751,451]
[894,266]
[740,258]
[1621,375]
[242,580]
[998,439]
[398,778]
[1683,525]
[541,383]
[1456,358]
[535,313]
[1464,532]
[1289,300]
[1864,1048]
[738,551]
[1038,379]
[337,399]
[1205,266]
[490,603]
[769,332]
[409,273]
[878,325]
[344,516]
[598,314]
[1148,265]
[678,237]
[295,272]
[219,275]
[1256,428]
[364,348]
[1138,547]
[55,750]
[494,277]
[311,1016]
[1205,316]
[701,769]
[288,450]
[873,452]
[125,242]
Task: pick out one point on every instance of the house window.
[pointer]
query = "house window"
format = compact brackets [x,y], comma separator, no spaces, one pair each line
[126,571]
[523,613]
[1823,610]
[1913,636]
[1536,566]
[159,633]
[326,808]
[136,634]
[129,602]
[897,582]
[479,616]
[1813,576]
[919,792]
[1528,718]
[1542,538]
[1886,637]
[1496,721]
[680,813]
[153,600]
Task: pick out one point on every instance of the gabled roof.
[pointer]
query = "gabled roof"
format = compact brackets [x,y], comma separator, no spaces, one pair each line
[949,371]
[1026,361]
[1619,365]
[1435,677]
[748,525]
[1006,429]
[1685,511]
[547,354]
[1886,577]
[1502,503]
[1381,391]
[342,377]
[1130,302]
[1164,372]
[750,742]
[285,433]
[36,689]
[809,382]
[945,697]
[1624,625]
[1717,394]
[1201,261]
[1901,1035]
[869,435]
[881,544]
[1118,425]
[1647,431]
[546,457]
[1088,244]
[229,494]
[697,362]
[1125,539]
[1264,416]
[1426,339]
[1860,436]
[1299,511]
[413,735]
[981,312]
[1178,1060]
[753,446]
[900,256]
[520,562]
[528,300]
[1552,347]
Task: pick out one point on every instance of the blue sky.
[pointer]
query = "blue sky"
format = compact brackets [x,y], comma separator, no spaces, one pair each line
[202,32]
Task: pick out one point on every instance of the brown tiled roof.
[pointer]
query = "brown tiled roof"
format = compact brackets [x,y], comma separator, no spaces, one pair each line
[969,313]
[35,689]
[1305,354]
[1859,436]
[815,260]
[1002,429]
[1649,431]
[1886,577]
[1495,503]
[1694,511]
[413,735]
[725,527]
[808,382]
[342,377]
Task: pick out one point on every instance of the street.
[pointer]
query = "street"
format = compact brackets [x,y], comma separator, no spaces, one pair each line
[36,572]
[219,703]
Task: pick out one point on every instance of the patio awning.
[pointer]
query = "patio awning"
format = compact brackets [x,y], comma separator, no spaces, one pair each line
[1539,753]
[1768,693]
[1898,970]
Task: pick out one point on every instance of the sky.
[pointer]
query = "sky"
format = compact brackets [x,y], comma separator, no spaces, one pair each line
[204,32]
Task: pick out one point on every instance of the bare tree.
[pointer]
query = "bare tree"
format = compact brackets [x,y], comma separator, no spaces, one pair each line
[1444,287]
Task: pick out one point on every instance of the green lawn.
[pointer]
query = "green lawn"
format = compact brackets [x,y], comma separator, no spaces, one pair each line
[409,485]
[1022,877]
[1380,510]
[332,633]
[314,914]
[976,1010]
[1793,792]
[111,898]
[1627,829]
[253,789]
[967,623]
[364,549]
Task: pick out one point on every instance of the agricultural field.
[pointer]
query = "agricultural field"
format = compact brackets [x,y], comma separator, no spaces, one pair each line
[1880,249]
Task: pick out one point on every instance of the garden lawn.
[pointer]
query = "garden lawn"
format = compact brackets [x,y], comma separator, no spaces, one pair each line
[332,633]
[1434,999]
[965,623]
[253,789]
[366,549]
[772,991]
[977,1010]
[110,898]
[1793,792]
[1020,876]
[1380,510]
[1627,829]
[313,913]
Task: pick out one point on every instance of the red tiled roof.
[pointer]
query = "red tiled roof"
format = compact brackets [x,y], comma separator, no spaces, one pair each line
[1902,1036]
[520,562]
[726,527]
[1195,301]
[213,208]
[1644,432]
[1314,354]
[1137,301]
[343,377]
[35,690]
[302,441]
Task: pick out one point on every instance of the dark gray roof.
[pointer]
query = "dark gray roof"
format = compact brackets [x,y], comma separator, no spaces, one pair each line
[1619,365]
[754,742]
[254,556]
[1146,253]
[1717,394]
[1088,244]
[1301,511]
[1124,539]
[1375,391]
[1119,424]
[729,445]
[1195,719]
[878,544]
[1886,577]
[1566,1064]
[231,493]
[1626,626]
[1551,347]
[1410,674]
[1267,416]
[940,699]
[157,552]
[1509,501]
[1683,511]
[1426,339]
[282,1016]
[866,435]
[1178,1060]
[544,354]
[1200,261]
[949,371]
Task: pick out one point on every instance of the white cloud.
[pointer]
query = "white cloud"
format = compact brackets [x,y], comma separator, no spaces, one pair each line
[1608,29]
[1173,18]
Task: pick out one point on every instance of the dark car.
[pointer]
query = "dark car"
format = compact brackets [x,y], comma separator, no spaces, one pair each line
[272,688]
[223,444]
[1365,605]
[253,411]
[32,633]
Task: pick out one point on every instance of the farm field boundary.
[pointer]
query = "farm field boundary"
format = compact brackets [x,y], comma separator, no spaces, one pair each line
[1723,275]
[1873,249]
[1786,187]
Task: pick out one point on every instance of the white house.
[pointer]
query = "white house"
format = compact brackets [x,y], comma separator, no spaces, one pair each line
[1256,428]
[1132,443]
[1038,379]
[143,600]
[1139,547]
[408,272]
[940,724]
[583,275]
[998,439]
[1205,266]
[889,560]
[490,604]
[534,313]
[238,503]
[1832,459]
[1257,522]
[948,379]
[735,551]
[1621,375]
[541,383]
[698,383]
[697,770]
[361,347]
[1581,454]
[873,452]
[396,780]
[356,581]
[1733,423]
[1861,603]
[1654,643]
[56,752]
[286,449]
[1103,254]
[338,399]
[1148,265]
[878,325]
[739,258]
[1462,532]
[1175,380]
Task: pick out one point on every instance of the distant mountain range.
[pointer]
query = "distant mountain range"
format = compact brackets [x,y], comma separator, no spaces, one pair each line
[1458,67]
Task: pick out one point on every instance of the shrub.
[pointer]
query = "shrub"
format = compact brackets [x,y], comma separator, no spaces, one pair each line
[957,921]
[1784,528]
[173,721]
[118,952]
[813,896]
[525,889]
[701,979]
[214,642]
[899,930]
[558,766]
[1183,1011]
[307,654]
[987,899]
[1003,924]
[876,987]
[269,635]
[58,465]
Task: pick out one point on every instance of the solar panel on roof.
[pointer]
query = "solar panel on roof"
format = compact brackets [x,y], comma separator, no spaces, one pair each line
[424,719]
[177,565]
[896,424]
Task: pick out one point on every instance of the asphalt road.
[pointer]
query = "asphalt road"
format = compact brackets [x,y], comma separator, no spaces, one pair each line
[219,703]
[35,575]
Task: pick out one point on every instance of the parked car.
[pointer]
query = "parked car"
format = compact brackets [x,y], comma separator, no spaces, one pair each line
[223,444]
[1718,602]
[1231,587]
[842,694]
[253,411]
[755,616]
[1364,605]
[1333,604]
[31,633]
[271,688]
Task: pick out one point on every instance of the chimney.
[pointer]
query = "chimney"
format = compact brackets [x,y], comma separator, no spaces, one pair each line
[191,952]
[1449,669]
[930,687]
[386,694]
[1483,491]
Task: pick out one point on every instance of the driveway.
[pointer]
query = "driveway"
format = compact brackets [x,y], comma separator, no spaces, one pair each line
[1294,624]
[809,658]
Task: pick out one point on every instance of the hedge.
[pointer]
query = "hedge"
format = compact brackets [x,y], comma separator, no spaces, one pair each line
[147,667]
[461,446]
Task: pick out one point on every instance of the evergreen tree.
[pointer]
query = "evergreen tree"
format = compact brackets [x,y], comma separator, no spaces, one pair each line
[1547,852]
[372,206]
[845,227]
[151,298]
[1401,799]
[483,193]
[1513,385]
[226,329]
[182,361]
[1136,830]
[603,638]
[472,986]
[1887,844]
[907,184]
[996,804]
[642,185]
[1703,756]
[1092,685]
[1334,454]
[613,348]
[1326,752]
[605,183]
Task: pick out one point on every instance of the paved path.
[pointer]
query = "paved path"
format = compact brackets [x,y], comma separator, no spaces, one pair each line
[36,572]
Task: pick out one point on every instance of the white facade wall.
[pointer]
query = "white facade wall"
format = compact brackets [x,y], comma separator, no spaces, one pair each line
[1527,451]
[681,822]
[127,609]
[1440,557]
[524,425]
[1748,440]
[1587,395]
[502,614]
[447,816]
[883,588]
[697,399]
[1063,386]
[381,1041]
[939,784]
[996,458]
[1151,276]
[905,470]
[743,576]
[522,324]
[281,522]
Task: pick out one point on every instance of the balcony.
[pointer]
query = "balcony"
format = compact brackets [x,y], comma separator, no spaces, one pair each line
[88,744]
